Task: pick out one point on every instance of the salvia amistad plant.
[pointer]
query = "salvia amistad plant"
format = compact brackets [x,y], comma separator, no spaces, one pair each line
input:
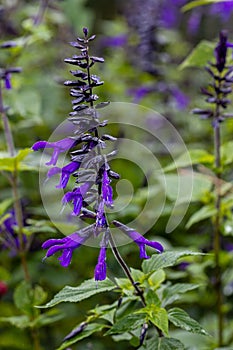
[89,167]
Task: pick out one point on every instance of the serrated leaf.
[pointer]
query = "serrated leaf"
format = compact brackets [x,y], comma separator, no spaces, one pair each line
[163,343]
[17,321]
[84,291]
[195,156]
[157,315]
[204,213]
[127,323]
[166,259]
[89,330]
[172,292]
[182,320]
[199,56]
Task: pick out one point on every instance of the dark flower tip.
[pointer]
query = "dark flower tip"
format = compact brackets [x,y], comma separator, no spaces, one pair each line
[85,31]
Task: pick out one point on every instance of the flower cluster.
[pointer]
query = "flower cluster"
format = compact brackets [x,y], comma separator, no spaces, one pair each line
[89,165]
[221,86]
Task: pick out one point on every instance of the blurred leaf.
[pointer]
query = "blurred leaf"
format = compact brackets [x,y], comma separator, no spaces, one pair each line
[204,213]
[4,205]
[39,295]
[23,297]
[181,319]
[84,291]
[17,321]
[157,315]
[197,3]
[156,279]
[127,323]
[195,156]
[172,293]
[89,330]
[199,56]
[163,343]
[15,163]
[47,318]
[166,259]
[226,153]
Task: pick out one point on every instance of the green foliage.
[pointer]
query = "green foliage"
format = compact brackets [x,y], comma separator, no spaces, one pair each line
[192,4]
[181,319]
[84,291]
[199,55]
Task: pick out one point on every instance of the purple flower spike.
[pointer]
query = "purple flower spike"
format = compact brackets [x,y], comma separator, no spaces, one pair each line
[101,222]
[107,190]
[76,196]
[101,267]
[139,240]
[67,245]
[58,147]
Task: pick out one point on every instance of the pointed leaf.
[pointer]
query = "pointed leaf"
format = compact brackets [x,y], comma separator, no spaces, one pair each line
[205,212]
[84,291]
[172,292]
[199,56]
[166,259]
[157,315]
[127,323]
[181,319]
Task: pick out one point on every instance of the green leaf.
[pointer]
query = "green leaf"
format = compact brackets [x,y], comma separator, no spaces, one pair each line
[166,259]
[156,279]
[47,318]
[128,323]
[23,297]
[197,3]
[157,315]
[152,298]
[4,205]
[89,330]
[15,163]
[172,292]
[17,321]
[163,343]
[204,213]
[195,156]
[226,153]
[199,56]
[84,291]
[182,320]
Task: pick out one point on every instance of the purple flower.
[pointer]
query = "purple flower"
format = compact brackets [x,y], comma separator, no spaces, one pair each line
[58,147]
[139,240]
[140,92]
[67,245]
[223,9]
[101,267]
[107,190]
[66,172]
[8,81]
[76,197]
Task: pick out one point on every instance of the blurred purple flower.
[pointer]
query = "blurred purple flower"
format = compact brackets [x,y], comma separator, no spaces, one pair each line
[115,41]
[101,267]
[58,147]
[180,98]
[8,235]
[223,9]
[8,81]
[140,92]
[66,172]
[170,13]
[139,240]
[76,197]
[67,245]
